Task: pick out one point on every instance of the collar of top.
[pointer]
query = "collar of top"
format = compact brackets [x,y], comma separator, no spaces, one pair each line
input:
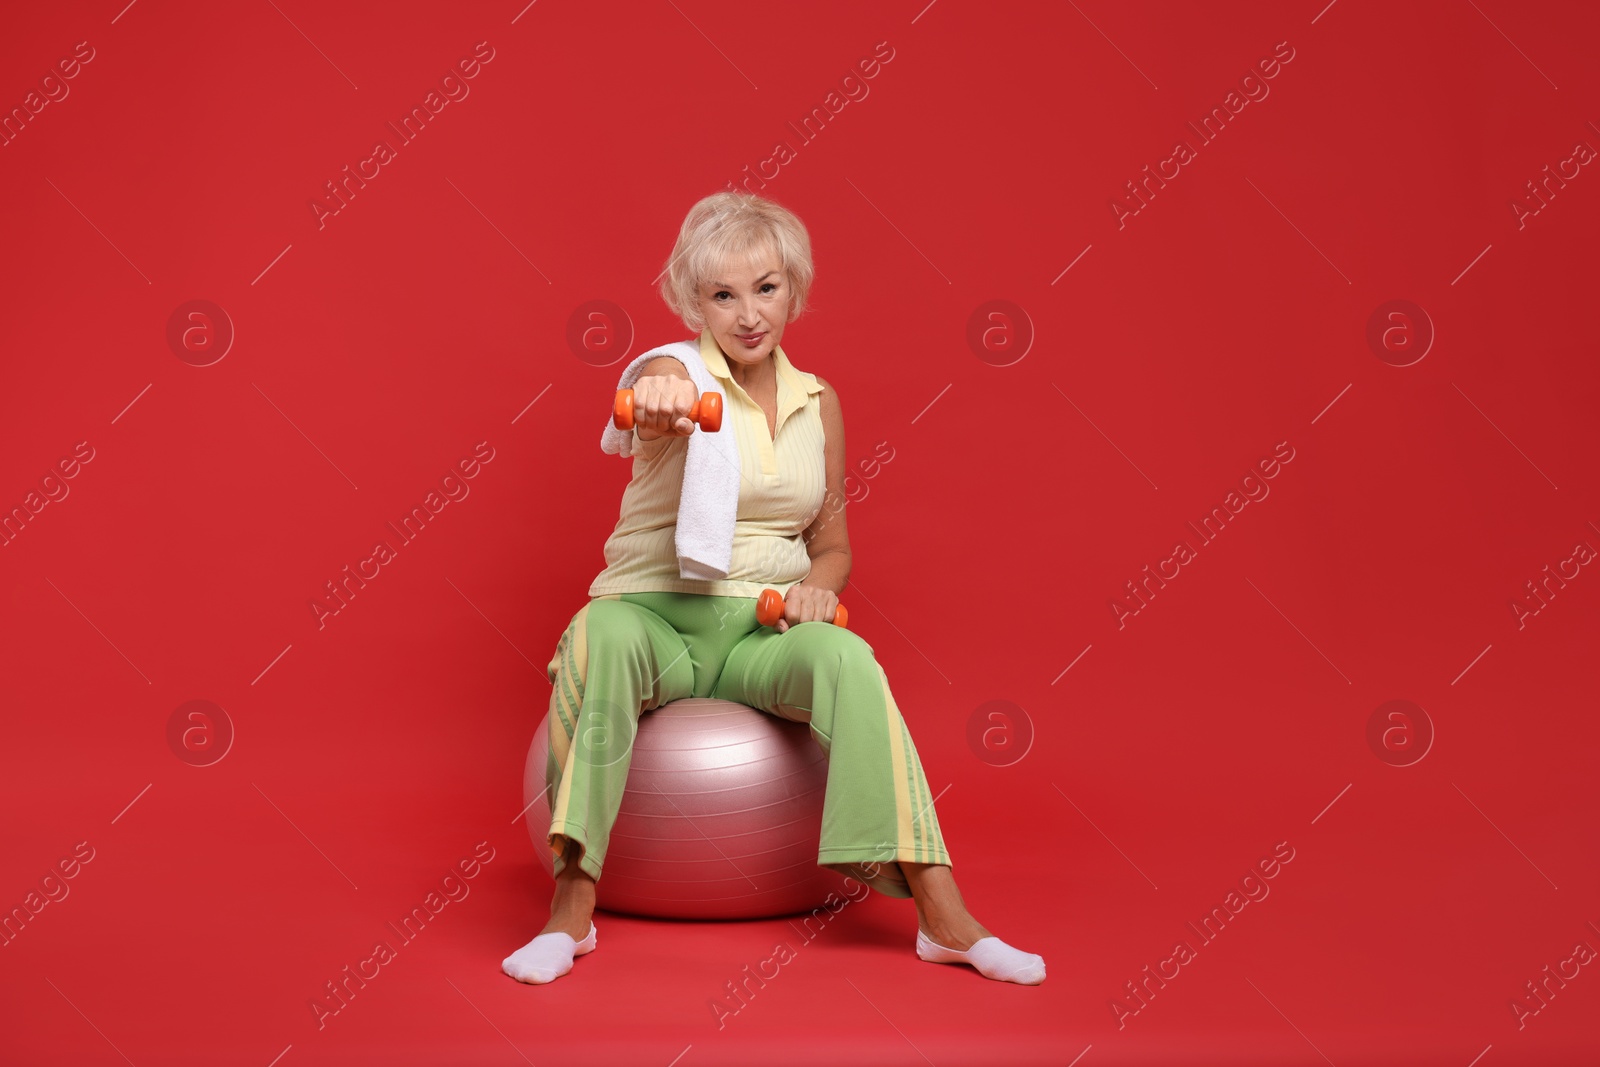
[717,364]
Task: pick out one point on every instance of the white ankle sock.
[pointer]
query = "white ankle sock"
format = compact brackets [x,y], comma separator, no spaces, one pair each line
[547,957]
[991,956]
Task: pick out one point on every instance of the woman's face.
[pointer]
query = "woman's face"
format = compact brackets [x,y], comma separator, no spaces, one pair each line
[746,305]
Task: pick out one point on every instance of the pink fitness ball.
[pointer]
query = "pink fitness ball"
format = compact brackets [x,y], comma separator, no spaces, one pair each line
[721,817]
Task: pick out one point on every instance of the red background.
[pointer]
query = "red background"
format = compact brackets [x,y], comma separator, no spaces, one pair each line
[374,351]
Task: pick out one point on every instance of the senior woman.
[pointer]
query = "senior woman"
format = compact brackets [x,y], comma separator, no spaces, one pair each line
[739,273]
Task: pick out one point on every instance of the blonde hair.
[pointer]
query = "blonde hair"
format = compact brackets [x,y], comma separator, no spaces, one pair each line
[725,228]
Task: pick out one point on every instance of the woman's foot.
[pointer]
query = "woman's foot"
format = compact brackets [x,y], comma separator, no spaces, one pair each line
[547,957]
[569,933]
[947,932]
[992,957]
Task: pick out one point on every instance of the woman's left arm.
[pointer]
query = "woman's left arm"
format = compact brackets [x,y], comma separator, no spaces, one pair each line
[815,597]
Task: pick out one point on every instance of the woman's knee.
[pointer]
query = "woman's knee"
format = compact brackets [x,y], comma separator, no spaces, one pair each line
[828,633]
[599,622]
[817,642]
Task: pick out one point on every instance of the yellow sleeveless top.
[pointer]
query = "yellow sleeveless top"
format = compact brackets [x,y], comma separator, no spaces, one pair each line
[782,484]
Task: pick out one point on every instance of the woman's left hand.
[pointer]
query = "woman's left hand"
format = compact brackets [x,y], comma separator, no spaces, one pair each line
[807,603]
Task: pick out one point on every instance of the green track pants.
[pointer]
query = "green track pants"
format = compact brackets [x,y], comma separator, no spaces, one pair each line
[626,653]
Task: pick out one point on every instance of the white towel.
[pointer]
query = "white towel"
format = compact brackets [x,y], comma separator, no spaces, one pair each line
[708,505]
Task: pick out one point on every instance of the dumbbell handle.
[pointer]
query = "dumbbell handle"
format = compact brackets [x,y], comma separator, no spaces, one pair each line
[769,609]
[706,412]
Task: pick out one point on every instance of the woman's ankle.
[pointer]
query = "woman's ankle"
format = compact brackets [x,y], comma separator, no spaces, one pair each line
[570,916]
[572,903]
[942,914]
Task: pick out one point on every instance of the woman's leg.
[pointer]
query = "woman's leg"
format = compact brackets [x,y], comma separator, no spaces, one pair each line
[877,811]
[616,660]
[878,822]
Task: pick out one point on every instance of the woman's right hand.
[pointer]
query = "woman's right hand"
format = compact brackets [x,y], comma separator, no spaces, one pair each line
[661,404]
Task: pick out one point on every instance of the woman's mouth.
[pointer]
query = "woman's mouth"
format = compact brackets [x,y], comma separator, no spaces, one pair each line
[751,340]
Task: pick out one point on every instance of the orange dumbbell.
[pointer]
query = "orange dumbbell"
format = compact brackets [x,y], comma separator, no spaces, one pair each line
[769,609]
[706,412]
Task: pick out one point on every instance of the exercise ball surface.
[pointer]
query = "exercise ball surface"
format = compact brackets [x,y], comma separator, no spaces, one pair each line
[721,817]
